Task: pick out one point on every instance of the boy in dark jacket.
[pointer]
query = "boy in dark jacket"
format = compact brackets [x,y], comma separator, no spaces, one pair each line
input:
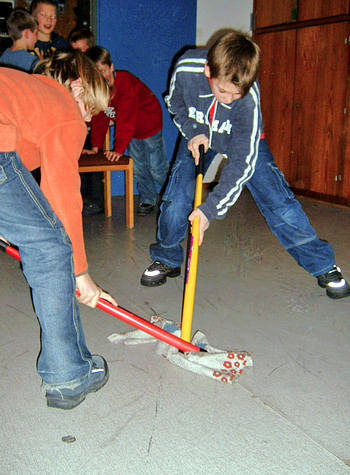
[215,101]
[137,115]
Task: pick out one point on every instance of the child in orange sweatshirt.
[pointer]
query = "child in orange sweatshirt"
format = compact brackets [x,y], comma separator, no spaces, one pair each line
[42,124]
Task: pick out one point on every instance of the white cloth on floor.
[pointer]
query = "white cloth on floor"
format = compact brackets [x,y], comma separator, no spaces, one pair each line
[222,365]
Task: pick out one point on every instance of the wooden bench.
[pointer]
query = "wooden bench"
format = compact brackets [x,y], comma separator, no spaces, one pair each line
[99,163]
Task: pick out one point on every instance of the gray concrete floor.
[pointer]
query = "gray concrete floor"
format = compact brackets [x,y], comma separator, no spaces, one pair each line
[289,414]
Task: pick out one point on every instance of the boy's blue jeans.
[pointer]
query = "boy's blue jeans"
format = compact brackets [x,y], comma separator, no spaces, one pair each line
[273,197]
[27,221]
[150,166]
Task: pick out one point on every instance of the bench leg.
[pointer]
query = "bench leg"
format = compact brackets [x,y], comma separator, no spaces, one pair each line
[129,196]
[108,196]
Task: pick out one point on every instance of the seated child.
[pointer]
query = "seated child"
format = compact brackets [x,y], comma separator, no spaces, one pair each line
[45,13]
[81,39]
[137,115]
[23,31]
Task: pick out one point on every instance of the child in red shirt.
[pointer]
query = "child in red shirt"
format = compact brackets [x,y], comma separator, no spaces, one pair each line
[137,115]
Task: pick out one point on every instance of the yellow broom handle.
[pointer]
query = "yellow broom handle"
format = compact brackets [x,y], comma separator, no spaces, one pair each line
[190,288]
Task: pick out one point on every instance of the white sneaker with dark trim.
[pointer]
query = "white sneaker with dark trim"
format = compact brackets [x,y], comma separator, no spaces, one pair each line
[334,283]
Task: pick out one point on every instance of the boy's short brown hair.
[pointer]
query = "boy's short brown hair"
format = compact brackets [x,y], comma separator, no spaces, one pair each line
[67,67]
[82,34]
[99,55]
[234,57]
[35,3]
[18,21]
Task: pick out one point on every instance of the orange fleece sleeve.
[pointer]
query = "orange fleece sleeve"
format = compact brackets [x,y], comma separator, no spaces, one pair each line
[60,149]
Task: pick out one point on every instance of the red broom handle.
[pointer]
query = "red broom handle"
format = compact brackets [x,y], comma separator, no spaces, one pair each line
[125,316]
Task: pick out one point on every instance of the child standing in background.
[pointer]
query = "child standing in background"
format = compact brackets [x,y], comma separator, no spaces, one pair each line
[137,115]
[23,31]
[45,13]
[81,39]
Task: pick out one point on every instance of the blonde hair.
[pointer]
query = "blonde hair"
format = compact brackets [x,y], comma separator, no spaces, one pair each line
[233,56]
[67,67]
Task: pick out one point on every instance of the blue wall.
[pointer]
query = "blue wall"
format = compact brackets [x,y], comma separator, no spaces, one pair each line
[144,37]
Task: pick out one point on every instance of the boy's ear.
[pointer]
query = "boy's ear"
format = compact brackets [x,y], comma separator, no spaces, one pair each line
[207,70]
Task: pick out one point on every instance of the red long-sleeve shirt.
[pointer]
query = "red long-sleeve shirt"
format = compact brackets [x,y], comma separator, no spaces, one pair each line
[40,120]
[134,109]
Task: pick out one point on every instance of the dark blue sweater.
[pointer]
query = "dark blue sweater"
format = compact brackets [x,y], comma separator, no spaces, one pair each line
[44,49]
[235,130]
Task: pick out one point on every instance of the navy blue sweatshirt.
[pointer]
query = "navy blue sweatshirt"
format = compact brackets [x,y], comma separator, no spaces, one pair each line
[235,130]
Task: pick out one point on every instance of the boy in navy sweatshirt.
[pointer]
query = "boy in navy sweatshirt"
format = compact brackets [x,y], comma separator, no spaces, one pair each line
[215,101]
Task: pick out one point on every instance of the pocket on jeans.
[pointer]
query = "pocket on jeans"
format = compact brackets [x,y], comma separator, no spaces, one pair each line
[173,179]
[280,182]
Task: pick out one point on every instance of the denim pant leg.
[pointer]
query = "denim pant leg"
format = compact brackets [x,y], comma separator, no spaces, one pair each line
[158,163]
[177,204]
[27,221]
[150,166]
[286,218]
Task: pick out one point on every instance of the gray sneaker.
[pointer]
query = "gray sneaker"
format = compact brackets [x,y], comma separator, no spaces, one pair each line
[66,398]
[157,272]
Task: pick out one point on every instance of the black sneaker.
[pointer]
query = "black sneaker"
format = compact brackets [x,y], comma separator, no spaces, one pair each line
[144,208]
[334,282]
[67,398]
[157,272]
[91,209]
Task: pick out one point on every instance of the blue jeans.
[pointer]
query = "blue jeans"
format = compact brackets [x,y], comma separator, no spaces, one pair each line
[27,221]
[150,166]
[275,200]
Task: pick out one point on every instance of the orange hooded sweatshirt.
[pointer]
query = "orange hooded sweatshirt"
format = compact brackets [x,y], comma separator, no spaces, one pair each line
[40,120]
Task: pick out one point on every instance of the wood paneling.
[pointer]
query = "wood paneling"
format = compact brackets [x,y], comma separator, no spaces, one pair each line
[273,12]
[276,78]
[311,9]
[305,96]
[320,99]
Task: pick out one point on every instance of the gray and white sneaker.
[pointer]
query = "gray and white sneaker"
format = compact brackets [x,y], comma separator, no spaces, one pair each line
[157,272]
[68,398]
[334,283]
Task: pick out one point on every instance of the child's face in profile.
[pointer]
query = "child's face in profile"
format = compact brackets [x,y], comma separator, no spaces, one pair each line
[46,17]
[224,91]
[81,45]
[107,72]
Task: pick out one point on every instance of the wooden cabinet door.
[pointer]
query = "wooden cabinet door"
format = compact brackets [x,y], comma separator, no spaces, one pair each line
[276,79]
[273,12]
[345,177]
[311,9]
[319,103]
